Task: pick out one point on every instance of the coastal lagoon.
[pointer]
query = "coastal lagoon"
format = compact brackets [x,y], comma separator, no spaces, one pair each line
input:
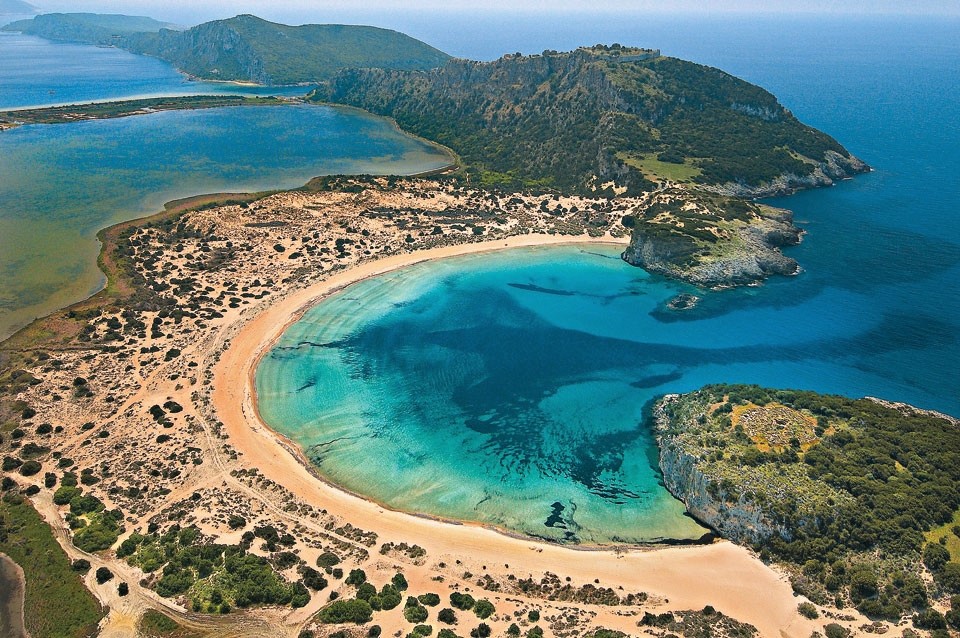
[506,389]
[511,388]
[61,183]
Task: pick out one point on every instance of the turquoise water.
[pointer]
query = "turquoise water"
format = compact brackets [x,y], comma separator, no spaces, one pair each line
[59,184]
[446,389]
[452,388]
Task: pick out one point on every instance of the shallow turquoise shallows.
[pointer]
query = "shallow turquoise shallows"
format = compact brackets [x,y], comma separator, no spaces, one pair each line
[507,389]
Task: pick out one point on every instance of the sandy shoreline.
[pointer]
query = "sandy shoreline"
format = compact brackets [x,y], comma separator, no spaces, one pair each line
[721,574]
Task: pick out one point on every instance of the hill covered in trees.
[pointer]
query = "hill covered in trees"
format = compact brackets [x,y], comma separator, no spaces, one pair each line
[858,498]
[245,48]
[578,120]
[88,28]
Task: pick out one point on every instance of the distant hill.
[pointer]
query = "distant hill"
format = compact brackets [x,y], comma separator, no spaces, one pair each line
[244,48]
[16,7]
[90,28]
[577,120]
[251,49]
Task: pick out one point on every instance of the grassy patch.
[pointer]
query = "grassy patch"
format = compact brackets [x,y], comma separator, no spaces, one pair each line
[654,169]
[946,531]
[29,541]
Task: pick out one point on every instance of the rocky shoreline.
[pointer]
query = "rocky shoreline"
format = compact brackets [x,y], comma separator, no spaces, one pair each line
[739,521]
[700,242]
[827,173]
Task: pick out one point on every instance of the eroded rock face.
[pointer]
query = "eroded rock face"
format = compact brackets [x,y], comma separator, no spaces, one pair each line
[748,256]
[835,166]
[740,521]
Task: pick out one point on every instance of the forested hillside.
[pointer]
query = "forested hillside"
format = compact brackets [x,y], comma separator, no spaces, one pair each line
[862,499]
[573,121]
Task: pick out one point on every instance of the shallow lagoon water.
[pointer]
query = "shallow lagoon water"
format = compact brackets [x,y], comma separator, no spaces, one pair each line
[506,391]
[60,184]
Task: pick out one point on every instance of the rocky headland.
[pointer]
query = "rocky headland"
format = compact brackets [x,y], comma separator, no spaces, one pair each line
[839,492]
[711,242]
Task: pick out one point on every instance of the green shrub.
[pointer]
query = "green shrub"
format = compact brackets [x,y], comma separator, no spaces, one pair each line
[484,609]
[833,630]
[415,613]
[327,559]
[100,534]
[949,578]
[389,597]
[935,556]
[481,631]
[808,610]
[447,615]
[929,619]
[346,611]
[65,494]
[356,577]
[431,600]
[312,578]
[464,602]
[81,565]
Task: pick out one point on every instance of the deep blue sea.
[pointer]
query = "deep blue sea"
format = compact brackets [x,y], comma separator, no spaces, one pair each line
[448,388]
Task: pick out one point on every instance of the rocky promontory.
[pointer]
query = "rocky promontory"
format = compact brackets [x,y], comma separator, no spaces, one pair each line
[853,497]
[712,241]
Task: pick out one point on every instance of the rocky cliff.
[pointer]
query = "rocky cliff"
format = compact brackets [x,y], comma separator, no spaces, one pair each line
[712,242]
[731,515]
[851,496]
[826,172]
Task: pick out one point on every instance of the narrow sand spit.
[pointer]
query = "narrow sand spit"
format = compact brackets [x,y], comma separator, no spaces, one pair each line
[723,575]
